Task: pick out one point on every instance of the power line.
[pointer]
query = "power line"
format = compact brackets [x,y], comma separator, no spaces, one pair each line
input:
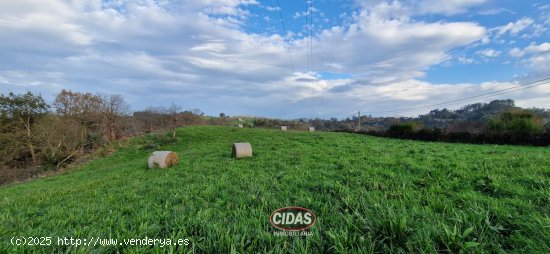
[311,32]
[307,37]
[310,10]
[489,94]
[284,34]
[308,41]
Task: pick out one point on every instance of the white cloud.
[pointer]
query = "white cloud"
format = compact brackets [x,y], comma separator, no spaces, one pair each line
[490,86]
[489,53]
[397,48]
[516,52]
[271,8]
[419,7]
[541,48]
[305,13]
[465,60]
[415,90]
[495,11]
[197,54]
[541,7]
[513,28]
[540,63]
[47,26]
[449,7]
[536,57]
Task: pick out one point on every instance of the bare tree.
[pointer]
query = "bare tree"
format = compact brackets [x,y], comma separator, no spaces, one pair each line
[61,139]
[84,107]
[81,105]
[173,111]
[98,113]
[113,107]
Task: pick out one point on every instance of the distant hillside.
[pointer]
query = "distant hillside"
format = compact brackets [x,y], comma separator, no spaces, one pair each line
[470,118]
[497,122]
[478,112]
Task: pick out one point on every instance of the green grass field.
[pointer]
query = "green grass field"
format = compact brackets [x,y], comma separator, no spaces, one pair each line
[369,194]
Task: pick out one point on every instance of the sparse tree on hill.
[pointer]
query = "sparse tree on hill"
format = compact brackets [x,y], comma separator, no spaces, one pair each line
[83,107]
[113,107]
[97,113]
[80,105]
[173,111]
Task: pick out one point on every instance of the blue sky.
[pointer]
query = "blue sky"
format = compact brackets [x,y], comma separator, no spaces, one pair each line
[474,66]
[232,55]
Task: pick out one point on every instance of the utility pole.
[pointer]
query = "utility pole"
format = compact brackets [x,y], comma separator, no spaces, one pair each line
[358,120]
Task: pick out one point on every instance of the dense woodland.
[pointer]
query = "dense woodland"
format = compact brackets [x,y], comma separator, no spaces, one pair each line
[37,136]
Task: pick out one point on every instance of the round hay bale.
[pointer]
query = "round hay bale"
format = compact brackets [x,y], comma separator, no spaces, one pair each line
[284,128]
[241,150]
[241,126]
[162,159]
[311,128]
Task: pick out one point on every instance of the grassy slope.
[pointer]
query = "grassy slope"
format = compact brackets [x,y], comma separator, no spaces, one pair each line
[369,194]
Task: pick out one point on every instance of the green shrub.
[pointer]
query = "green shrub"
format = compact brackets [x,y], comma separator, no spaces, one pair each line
[516,122]
[404,128]
[155,141]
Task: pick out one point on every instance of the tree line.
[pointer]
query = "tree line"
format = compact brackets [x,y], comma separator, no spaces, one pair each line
[36,136]
[497,122]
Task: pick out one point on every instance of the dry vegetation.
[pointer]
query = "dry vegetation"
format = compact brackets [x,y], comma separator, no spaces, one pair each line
[36,137]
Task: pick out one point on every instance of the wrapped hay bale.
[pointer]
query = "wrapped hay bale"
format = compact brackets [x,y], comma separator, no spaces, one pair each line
[162,159]
[241,126]
[284,128]
[311,128]
[241,150]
